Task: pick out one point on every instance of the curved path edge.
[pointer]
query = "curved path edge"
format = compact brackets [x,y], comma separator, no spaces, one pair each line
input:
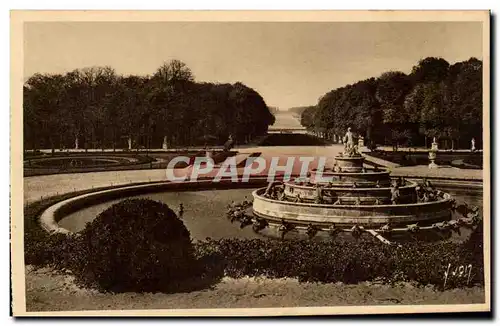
[50,217]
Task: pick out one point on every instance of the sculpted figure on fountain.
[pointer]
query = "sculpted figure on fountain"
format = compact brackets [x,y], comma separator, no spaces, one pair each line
[350,148]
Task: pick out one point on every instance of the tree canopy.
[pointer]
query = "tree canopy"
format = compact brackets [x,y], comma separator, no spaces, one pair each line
[435,100]
[97,108]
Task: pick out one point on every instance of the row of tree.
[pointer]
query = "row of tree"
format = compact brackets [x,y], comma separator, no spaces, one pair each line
[97,108]
[435,100]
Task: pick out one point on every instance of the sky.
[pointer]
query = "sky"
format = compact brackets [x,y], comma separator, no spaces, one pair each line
[289,63]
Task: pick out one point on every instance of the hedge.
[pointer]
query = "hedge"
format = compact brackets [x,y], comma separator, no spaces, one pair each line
[134,245]
[350,262]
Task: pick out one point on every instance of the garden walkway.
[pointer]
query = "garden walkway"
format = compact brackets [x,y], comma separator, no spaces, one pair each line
[49,185]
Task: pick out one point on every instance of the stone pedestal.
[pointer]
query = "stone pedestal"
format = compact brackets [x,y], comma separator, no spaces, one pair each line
[350,164]
[433,155]
[361,142]
[432,158]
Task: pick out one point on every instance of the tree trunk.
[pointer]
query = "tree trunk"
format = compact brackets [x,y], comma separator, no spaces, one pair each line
[369,134]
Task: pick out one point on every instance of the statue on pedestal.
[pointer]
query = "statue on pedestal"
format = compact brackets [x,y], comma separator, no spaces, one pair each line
[350,149]
[473,145]
[432,154]
[361,142]
[229,144]
[165,143]
[434,145]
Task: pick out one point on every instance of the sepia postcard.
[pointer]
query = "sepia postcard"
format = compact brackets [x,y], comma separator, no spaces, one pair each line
[250,163]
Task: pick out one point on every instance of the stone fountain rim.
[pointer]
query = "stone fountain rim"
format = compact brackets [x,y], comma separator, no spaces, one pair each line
[382,172]
[360,157]
[412,185]
[447,199]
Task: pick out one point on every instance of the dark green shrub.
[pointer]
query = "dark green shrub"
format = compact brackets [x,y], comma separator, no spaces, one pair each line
[45,251]
[136,245]
[343,261]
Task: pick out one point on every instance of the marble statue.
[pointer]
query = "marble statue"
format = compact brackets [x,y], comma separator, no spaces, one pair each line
[349,138]
[229,144]
[434,145]
[165,143]
[361,141]
[395,194]
[350,149]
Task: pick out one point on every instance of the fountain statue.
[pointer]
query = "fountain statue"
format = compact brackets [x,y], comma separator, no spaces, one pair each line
[164,145]
[361,142]
[350,149]
[228,145]
[353,197]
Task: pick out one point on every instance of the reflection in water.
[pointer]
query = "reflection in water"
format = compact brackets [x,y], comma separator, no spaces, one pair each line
[204,211]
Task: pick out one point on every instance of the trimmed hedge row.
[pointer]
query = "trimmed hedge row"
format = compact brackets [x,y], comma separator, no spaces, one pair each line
[351,262]
[346,261]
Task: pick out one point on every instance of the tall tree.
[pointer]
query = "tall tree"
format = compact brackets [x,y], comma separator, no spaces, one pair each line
[430,70]
[466,100]
[392,89]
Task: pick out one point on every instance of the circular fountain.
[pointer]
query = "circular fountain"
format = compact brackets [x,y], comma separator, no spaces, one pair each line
[354,198]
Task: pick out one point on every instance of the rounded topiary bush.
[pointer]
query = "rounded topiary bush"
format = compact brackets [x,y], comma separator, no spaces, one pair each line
[135,245]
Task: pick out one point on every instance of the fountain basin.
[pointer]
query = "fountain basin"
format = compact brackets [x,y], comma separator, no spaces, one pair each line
[368,216]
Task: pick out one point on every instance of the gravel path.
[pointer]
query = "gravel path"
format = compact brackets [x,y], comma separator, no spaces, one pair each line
[48,291]
[48,185]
